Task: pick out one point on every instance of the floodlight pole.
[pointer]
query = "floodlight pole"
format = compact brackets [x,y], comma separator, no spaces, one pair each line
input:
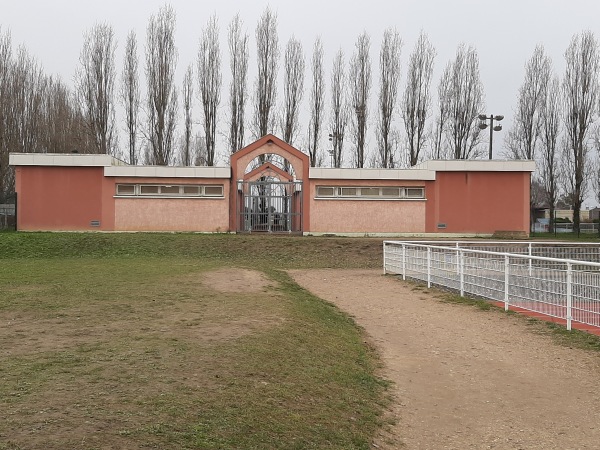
[483,125]
[334,138]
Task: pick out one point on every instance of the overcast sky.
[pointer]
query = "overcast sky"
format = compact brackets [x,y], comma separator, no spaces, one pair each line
[505,33]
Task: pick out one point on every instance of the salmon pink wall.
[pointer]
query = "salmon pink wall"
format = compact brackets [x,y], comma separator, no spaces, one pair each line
[60,198]
[172,214]
[168,214]
[478,202]
[365,216]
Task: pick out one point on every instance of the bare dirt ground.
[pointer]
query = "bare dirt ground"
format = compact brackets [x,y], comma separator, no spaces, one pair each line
[465,378]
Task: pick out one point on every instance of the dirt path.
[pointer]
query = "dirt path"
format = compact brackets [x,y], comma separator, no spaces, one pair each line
[466,378]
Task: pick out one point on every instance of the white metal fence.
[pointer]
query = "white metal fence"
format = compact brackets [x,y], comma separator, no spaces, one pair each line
[581,251]
[564,288]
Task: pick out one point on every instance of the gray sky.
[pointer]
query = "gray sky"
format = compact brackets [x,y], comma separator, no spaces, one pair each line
[505,33]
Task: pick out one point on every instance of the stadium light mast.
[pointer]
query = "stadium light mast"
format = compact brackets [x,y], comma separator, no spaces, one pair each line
[483,125]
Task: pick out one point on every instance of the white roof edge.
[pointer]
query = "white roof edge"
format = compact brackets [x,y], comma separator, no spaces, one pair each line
[371,174]
[478,165]
[167,172]
[63,160]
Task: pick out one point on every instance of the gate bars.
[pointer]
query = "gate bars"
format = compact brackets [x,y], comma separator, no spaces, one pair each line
[566,289]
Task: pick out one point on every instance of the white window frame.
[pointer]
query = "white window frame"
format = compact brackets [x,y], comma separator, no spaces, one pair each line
[200,193]
[342,192]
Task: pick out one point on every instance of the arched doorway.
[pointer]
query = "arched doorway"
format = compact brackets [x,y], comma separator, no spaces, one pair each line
[269,199]
[268,194]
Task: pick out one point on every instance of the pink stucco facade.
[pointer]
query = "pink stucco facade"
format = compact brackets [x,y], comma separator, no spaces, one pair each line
[98,192]
[365,216]
[162,214]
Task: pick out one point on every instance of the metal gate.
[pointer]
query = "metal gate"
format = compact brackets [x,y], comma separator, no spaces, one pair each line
[269,205]
[8,211]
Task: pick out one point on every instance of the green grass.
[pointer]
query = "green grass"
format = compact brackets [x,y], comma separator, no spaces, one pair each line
[569,237]
[248,250]
[119,341]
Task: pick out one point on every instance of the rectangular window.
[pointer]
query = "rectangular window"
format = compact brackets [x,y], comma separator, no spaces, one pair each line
[191,190]
[169,190]
[149,190]
[323,191]
[415,193]
[348,192]
[390,192]
[125,189]
[213,191]
[371,192]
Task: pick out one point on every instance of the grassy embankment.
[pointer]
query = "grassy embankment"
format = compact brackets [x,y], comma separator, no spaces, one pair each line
[121,341]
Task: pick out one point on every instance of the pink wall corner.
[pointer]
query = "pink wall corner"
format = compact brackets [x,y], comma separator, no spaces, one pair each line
[479,202]
[59,198]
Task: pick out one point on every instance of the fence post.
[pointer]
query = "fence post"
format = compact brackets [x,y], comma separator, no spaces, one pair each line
[506,277]
[569,295]
[462,272]
[530,260]
[404,262]
[428,267]
[384,259]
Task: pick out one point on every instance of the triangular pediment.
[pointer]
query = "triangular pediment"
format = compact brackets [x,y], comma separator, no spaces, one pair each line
[268,169]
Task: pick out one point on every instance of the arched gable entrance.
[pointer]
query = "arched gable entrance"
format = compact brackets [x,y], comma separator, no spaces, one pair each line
[267,182]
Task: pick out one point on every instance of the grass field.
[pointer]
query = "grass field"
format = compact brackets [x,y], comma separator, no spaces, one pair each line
[582,237]
[176,341]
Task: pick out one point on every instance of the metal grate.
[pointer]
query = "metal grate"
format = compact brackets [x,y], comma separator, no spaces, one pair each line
[270,206]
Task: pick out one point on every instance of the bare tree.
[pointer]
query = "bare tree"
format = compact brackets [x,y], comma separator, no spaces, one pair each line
[187,92]
[360,86]
[95,86]
[416,102]
[522,138]
[265,89]
[389,67]
[209,74]
[317,102]
[238,51]
[440,149]
[293,89]
[6,174]
[339,108]
[581,94]
[62,121]
[549,134]
[161,62]
[463,102]
[26,86]
[130,94]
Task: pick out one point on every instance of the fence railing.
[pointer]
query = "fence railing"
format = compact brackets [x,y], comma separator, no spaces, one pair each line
[566,289]
[581,251]
[7,216]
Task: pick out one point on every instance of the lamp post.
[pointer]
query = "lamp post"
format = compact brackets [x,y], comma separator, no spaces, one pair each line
[483,125]
[334,137]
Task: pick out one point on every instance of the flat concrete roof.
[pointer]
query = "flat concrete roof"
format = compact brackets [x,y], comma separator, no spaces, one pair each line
[168,172]
[114,167]
[63,160]
[477,165]
[371,174]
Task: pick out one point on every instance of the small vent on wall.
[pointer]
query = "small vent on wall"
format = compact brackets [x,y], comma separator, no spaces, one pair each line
[441,225]
[95,223]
